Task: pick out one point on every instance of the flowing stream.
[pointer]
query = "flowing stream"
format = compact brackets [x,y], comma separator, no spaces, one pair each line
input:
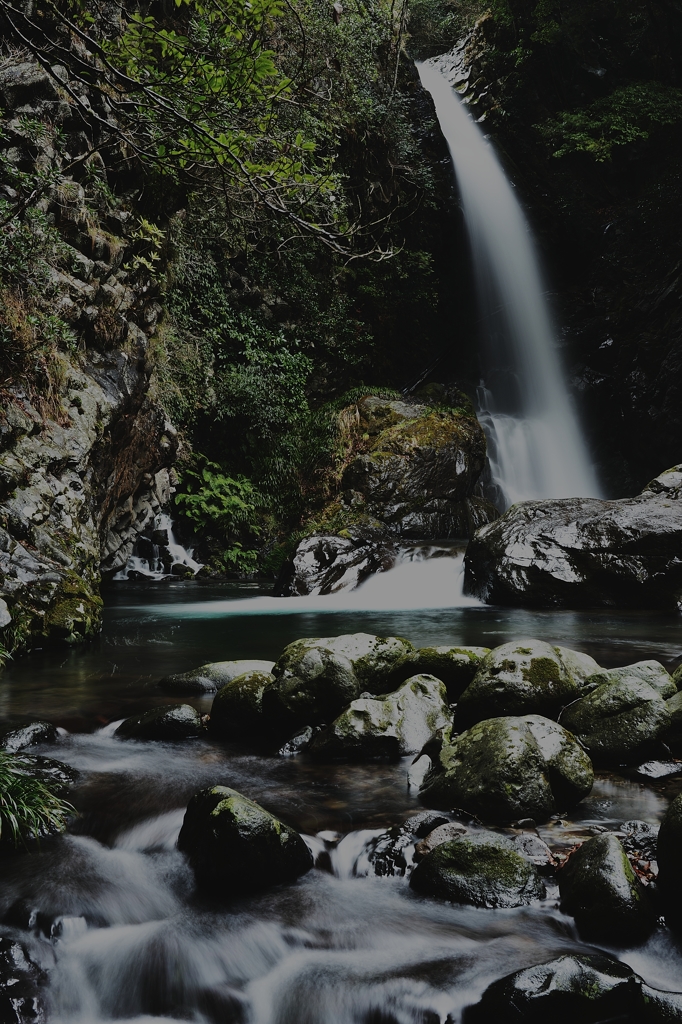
[536,449]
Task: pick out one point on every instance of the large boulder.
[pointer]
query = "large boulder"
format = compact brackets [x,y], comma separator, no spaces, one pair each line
[483,870]
[326,563]
[16,736]
[236,846]
[584,552]
[619,722]
[316,678]
[237,709]
[169,722]
[600,889]
[650,672]
[524,677]
[389,727]
[673,735]
[454,666]
[23,985]
[669,856]
[209,678]
[509,768]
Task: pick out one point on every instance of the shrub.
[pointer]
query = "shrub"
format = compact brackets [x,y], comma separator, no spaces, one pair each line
[29,810]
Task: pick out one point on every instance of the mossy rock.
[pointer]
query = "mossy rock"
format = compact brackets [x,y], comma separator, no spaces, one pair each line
[673,735]
[602,892]
[73,619]
[454,666]
[169,722]
[235,846]
[650,672]
[210,677]
[482,870]
[237,709]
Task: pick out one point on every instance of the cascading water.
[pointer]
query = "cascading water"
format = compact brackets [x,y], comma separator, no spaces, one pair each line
[159,560]
[536,449]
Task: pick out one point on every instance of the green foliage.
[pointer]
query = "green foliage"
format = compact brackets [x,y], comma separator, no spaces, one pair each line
[210,499]
[629,114]
[29,809]
[5,656]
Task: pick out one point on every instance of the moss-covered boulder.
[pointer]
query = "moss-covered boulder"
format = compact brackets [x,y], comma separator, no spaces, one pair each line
[454,666]
[508,768]
[385,728]
[316,678]
[209,678]
[483,870]
[526,677]
[235,846]
[673,734]
[577,988]
[21,735]
[619,722]
[669,856]
[580,666]
[169,722]
[600,889]
[237,709]
[651,672]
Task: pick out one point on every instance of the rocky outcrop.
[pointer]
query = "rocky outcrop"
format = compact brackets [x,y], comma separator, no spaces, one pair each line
[211,677]
[582,552]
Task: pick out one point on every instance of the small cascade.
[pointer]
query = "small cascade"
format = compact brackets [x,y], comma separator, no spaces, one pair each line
[536,446]
[158,554]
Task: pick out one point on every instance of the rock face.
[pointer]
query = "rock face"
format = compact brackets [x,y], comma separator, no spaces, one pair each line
[237,709]
[389,727]
[316,679]
[503,769]
[669,849]
[583,552]
[235,846]
[209,678]
[600,889]
[619,721]
[454,666]
[529,677]
[170,722]
[483,870]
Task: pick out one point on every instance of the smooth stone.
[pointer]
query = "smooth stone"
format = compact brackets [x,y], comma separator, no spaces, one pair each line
[619,721]
[602,892]
[536,850]
[669,857]
[169,722]
[237,709]
[209,678]
[21,735]
[483,870]
[509,768]
[424,822]
[445,833]
[579,666]
[454,666]
[651,672]
[234,845]
[387,727]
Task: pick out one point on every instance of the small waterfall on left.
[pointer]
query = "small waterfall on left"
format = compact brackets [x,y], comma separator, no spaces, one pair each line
[158,554]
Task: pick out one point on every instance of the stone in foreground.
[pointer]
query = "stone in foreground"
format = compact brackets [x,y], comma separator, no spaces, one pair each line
[21,735]
[509,768]
[454,666]
[389,727]
[482,870]
[237,709]
[236,846]
[169,722]
[602,892]
[209,678]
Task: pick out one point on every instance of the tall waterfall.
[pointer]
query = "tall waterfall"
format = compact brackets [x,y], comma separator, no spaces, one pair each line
[535,446]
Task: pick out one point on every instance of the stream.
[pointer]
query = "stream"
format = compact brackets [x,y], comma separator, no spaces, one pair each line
[111,911]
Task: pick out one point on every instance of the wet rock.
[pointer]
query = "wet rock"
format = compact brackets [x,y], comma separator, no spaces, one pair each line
[483,870]
[235,846]
[640,839]
[326,564]
[650,672]
[509,768]
[22,983]
[316,679]
[209,678]
[390,854]
[59,777]
[536,850]
[660,1007]
[15,736]
[422,824]
[584,552]
[619,721]
[673,734]
[669,852]
[297,743]
[600,889]
[444,833]
[454,666]
[387,727]
[169,722]
[528,677]
[577,988]
[579,666]
[237,709]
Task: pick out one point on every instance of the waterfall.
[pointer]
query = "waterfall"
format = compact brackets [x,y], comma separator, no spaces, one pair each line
[536,449]
[160,555]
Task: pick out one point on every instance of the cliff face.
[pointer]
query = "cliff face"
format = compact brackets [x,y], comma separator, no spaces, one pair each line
[85,451]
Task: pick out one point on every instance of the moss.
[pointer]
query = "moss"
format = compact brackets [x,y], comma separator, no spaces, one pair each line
[542,671]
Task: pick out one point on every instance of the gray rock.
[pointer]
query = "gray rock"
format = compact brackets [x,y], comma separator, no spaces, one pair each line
[579,666]
[326,564]
[619,721]
[508,768]
[483,870]
[600,889]
[15,736]
[584,552]
[237,709]
[673,734]
[56,775]
[669,853]
[209,678]
[650,672]
[235,846]
[454,666]
[536,850]
[388,727]
[169,722]
[640,838]
[445,833]
[5,617]
[23,985]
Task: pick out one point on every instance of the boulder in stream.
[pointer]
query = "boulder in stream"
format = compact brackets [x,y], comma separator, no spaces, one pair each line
[168,722]
[22,985]
[619,722]
[386,727]
[209,678]
[650,672]
[56,775]
[584,552]
[602,892]
[237,709]
[236,846]
[16,736]
[510,768]
[673,735]
[483,869]
[454,666]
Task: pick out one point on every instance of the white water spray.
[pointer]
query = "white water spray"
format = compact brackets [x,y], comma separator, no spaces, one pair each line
[536,449]
[154,567]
